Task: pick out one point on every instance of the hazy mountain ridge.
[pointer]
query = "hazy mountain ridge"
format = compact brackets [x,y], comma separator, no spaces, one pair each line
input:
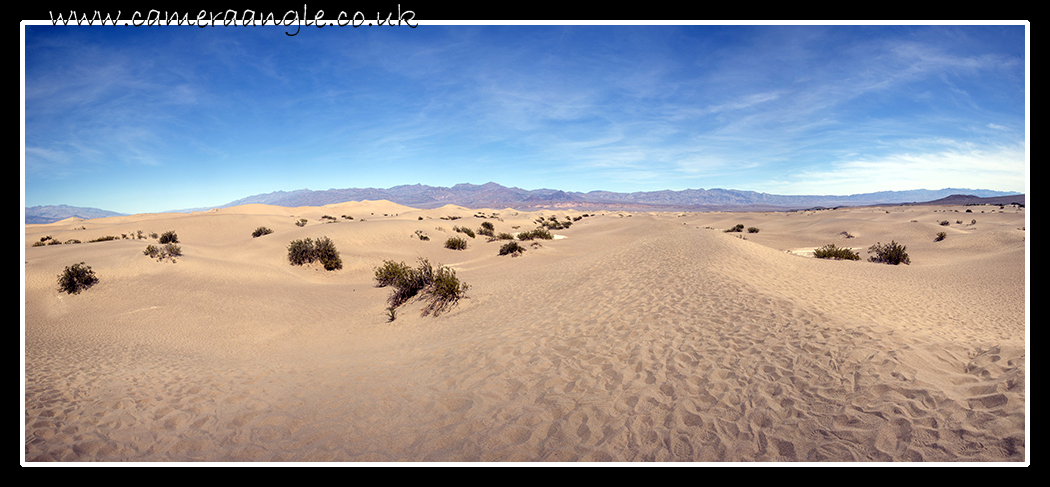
[54,213]
[493,195]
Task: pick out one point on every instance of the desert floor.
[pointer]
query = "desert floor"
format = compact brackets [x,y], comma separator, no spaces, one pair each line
[652,337]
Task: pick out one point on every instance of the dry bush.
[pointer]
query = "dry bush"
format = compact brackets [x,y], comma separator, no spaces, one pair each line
[830,251]
[892,253]
[76,278]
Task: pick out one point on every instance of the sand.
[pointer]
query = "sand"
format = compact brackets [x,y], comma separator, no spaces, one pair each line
[636,337]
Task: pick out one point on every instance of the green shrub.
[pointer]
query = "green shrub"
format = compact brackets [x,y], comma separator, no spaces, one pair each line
[456,243]
[892,253]
[940,236]
[390,272]
[169,237]
[540,233]
[301,222]
[738,228]
[76,278]
[467,231]
[301,251]
[327,255]
[488,226]
[830,251]
[512,248]
[261,231]
[168,251]
[441,287]
[307,251]
[172,250]
[504,236]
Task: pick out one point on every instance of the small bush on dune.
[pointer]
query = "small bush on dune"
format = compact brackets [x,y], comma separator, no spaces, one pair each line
[76,278]
[752,229]
[441,287]
[261,231]
[169,237]
[830,251]
[327,255]
[467,231]
[456,243]
[539,233]
[892,253]
[738,228]
[168,251]
[512,248]
[301,222]
[307,251]
[940,236]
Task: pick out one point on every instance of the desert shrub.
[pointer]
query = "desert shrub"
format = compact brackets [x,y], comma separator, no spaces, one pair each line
[738,228]
[390,272]
[540,233]
[72,241]
[488,226]
[168,251]
[327,255]
[76,278]
[104,239]
[467,231]
[261,231]
[172,250]
[328,217]
[504,236]
[752,229]
[512,248]
[441,287]
[39,244]
[301,222]
[891,253]
[422,236]
[830,251]
[456,243]
[301,251]
[444,291]
[940,236]
[168,237]
[307,251]
[944,223]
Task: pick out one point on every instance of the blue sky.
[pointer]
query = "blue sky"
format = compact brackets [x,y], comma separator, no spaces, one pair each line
[151,119]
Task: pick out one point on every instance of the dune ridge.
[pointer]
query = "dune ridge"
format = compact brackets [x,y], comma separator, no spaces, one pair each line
[639,337]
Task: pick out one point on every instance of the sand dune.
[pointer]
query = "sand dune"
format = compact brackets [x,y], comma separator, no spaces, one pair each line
[652,337]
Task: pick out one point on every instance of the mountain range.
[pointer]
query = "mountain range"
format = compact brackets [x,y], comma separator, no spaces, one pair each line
[493,195]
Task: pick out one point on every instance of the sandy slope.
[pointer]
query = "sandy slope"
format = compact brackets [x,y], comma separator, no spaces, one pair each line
[637,337]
